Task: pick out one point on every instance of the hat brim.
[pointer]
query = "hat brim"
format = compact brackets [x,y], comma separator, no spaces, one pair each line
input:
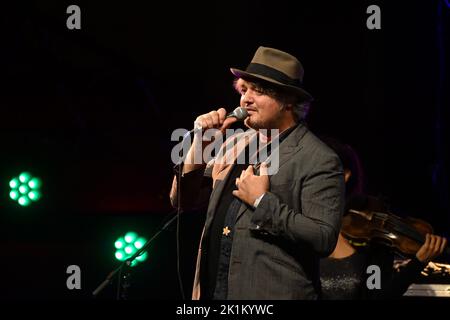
[246,75]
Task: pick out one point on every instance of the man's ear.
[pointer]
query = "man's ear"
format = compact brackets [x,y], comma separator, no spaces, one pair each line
[347,175]
[289,107]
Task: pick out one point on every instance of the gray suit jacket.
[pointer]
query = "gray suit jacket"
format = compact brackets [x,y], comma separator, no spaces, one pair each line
[277,246]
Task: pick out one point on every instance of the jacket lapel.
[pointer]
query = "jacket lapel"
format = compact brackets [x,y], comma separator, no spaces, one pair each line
[286,150]
[223,171]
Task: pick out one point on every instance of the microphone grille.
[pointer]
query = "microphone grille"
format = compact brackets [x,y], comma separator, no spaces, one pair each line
[240,113]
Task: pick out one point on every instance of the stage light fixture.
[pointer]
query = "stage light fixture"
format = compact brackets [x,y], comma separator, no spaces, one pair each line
[25,189]
[127,245]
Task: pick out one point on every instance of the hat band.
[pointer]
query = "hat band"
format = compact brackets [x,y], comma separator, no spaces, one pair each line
[272,73]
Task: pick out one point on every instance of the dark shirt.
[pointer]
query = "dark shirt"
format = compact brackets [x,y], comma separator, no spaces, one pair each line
[341,279]
[217,233]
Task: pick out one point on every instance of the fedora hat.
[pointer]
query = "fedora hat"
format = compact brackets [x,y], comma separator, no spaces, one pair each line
[277,67]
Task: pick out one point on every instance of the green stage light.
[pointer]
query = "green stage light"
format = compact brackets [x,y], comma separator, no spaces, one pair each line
[130,237]
[119,255]
[128,245]
[142,257]
[34,195]
[35,183]
[24,177]
[24,201]
[14,195]
[119,244]
[25,189]
[14,183]
[139,243]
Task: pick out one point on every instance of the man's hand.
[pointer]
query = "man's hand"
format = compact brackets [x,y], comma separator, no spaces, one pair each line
[214,119]
[433,247]
[250,187]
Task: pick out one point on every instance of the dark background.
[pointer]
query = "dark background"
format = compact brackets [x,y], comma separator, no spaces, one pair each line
[91,112]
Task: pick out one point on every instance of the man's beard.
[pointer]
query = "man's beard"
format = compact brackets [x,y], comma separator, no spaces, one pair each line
[256,125]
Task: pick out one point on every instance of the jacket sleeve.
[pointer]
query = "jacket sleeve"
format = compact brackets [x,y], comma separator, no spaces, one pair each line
[191,190]
[322,203]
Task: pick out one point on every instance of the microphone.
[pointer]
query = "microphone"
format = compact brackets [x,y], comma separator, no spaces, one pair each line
[239,113]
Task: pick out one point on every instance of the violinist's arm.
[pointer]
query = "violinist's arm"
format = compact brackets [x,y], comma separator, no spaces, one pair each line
[395,284]
[433,247]
[392,285]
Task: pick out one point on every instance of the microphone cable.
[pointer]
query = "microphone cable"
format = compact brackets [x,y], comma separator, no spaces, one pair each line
[180,280]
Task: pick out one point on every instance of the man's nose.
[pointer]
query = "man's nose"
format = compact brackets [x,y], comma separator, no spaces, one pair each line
[247,98]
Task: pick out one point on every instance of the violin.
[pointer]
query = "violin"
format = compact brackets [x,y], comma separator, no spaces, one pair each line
[405,235]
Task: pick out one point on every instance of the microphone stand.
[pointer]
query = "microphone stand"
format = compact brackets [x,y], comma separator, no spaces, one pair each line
[125,267]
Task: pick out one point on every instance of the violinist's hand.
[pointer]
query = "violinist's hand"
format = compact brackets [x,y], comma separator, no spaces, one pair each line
[433,247]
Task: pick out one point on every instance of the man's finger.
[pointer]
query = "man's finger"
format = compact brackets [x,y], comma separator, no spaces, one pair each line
[443,245]
[263,171]
[427,239]
[222,113]
[437,245]
[249,170]
[209,122]
[227,123]
[432,241]
[215,118]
